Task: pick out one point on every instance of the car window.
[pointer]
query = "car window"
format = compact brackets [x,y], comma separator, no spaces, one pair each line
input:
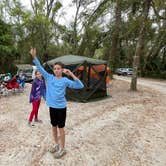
[28,71]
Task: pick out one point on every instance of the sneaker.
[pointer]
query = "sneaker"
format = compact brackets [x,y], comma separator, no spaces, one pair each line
[60,153]
[54,148]
[30,124]
[38,121]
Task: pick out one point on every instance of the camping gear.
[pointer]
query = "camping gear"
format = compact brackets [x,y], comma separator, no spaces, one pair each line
[92,72]
[12,84]
[5,77]
[9,86]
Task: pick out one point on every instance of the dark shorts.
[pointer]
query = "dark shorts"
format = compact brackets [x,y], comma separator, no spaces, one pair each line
[58,117]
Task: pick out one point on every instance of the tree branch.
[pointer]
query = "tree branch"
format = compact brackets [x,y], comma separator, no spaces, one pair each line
[156,13]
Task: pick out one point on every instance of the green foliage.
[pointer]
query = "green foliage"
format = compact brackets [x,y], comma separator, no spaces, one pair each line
[7,50]
[90,33]
[57,6]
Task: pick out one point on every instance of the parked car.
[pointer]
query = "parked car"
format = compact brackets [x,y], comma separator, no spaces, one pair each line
[124,71]
[25,72]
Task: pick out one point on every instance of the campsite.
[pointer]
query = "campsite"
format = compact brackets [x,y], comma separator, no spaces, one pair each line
[82,83]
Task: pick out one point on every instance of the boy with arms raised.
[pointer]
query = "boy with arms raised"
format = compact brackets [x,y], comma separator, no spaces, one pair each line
[55,99]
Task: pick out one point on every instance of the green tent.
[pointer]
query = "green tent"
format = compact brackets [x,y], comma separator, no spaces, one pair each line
[92,72]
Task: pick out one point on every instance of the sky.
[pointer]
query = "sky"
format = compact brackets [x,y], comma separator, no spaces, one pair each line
[67,9]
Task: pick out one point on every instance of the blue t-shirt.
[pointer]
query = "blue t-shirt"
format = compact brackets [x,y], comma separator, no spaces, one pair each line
[56,88]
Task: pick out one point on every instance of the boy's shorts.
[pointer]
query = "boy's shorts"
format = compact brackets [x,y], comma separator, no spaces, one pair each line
[58,117]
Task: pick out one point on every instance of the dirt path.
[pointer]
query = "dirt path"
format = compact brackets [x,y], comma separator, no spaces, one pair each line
[127,129]
[158,85]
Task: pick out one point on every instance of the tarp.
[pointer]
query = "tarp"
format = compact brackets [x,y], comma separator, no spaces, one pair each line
[75,59]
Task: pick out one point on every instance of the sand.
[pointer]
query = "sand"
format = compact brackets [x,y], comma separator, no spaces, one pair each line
[127,129]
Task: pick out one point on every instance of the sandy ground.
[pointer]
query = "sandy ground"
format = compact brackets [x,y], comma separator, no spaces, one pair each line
[127,129]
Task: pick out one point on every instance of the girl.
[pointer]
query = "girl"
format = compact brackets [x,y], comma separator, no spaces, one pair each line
[37,91]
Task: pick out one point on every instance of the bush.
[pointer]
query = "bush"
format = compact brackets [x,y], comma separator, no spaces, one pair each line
[153,74]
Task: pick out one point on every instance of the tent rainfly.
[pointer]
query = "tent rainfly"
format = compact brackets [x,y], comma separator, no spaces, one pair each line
[92,72]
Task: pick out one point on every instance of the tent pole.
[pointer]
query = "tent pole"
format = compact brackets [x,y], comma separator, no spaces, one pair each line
[103,79]
[84,78]
[89,69]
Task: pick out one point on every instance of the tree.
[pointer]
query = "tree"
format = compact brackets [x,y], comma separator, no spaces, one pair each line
[140,44]
[88,25]
[115,36]
[7,51]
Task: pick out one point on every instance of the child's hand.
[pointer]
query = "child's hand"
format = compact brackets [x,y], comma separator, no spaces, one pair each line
[67,72]
[33,52]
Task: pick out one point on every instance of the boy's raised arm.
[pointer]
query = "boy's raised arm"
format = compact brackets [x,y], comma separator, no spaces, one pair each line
[37,63]
[76,84]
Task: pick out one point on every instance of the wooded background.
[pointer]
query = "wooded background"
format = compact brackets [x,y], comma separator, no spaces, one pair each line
[127,33]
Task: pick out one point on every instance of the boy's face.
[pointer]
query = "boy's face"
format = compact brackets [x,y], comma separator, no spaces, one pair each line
[38,75]
[58,70]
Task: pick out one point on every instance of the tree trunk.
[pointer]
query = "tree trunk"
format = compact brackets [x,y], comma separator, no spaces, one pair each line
[75,42]
[115,36]
[140,44]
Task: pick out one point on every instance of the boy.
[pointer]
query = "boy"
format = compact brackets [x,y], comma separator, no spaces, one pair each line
[55,98]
